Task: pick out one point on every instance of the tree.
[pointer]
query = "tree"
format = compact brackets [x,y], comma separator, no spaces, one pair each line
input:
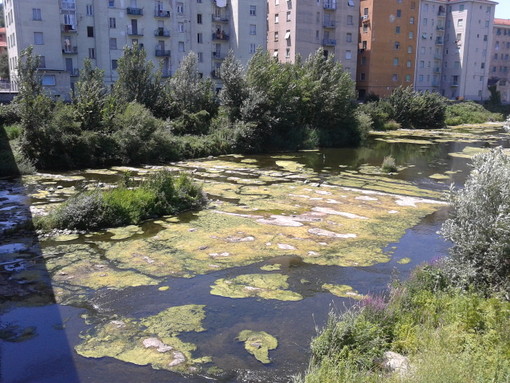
[235,89]
[138,80]
[89,97]
[4,66]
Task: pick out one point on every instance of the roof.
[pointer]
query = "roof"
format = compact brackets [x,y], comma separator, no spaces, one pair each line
[502,22]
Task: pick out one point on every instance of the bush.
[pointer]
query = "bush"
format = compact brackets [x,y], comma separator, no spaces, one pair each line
[160,194]
[389,165]
[9,114]
[13,131]
[479,225]
[469,112]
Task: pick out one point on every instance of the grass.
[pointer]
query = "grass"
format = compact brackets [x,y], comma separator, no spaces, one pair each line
[448,335]
[389,165]
[161,194]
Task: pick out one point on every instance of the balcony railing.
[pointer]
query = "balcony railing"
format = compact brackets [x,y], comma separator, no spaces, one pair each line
[134,11]
[68,28]
[329,24]
[220,36]
[365,19]
[330,4]
[218,55]
[329,42]
[161,13]
[219,19]
[68,50]
[162,52]
[162,32]
[134,31]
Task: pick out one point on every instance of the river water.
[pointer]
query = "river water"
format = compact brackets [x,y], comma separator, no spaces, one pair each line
[285,240]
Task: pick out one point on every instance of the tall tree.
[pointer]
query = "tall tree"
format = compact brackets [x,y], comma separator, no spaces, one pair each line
[89,96]
[235,88]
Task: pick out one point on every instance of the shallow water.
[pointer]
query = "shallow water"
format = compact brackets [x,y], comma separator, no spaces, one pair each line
[292,210]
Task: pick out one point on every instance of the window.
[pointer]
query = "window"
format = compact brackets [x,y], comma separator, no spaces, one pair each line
[114,64]
[408,78]
[350,20]
[422,64]
[276,18]
[408,64]
[90,10]
[365,28]
[111,3]
[36,14]
[288,16]
[253,10]
[200,57]
[276,2]
[411,35]
[253,29]
[180,8]
[396,45]
[395,61]
[348,55]
[397,29]
[484,37]
[482,66]
[276,37]
[49,80]
[113,43]
[200,38]
[460,22]
[409,49]
[113,23]
[38,38]
[348,38]
[425,21]
[420,78]
[42,61]
[199,18]
[362,76]
[394,77]
[180,27]
[92,53]
[461,7]
[253,48]
[90,31]
[287,52]
[399,13]
[350,3]
[181,46]
[411,20]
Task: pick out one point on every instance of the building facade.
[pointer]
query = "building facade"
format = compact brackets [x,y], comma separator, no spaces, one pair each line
[387,45]
[66,32]
[499,71]
[300,27]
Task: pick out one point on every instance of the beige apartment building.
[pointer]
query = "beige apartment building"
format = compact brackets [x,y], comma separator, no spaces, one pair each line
[499,71]
[66,32]
[300,27]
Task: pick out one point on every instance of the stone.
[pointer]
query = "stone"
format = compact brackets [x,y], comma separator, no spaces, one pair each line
[395,362]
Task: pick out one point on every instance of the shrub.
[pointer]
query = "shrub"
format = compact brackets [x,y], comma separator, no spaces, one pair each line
[160,194]
[389,165]
[13,131]
[469,112]
[479,225]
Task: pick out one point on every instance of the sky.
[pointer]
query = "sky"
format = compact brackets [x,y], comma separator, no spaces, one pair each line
[503,9]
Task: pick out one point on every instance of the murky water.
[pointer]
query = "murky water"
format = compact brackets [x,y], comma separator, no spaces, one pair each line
[313,219]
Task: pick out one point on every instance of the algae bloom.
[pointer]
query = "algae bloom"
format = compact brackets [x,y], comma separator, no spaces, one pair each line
[258,343]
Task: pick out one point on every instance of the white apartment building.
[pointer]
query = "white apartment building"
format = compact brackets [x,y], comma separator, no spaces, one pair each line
[300,27]
[453,51]
[65,32]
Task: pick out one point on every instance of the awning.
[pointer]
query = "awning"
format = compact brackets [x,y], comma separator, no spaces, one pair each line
[287,35]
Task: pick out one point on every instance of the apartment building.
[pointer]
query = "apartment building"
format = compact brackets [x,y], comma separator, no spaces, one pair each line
[66,32]
[300,27]
[387,45]
[466,54]
[499,69]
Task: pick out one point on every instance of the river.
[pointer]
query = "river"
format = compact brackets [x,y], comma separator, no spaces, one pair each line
[285,239]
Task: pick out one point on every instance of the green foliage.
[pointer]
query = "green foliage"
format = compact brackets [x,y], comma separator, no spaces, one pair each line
[13,131]
[161,194]
[9,114]
[389,165]
[479,225]
[469,112]
[235,89]
[448,336]
[4,66]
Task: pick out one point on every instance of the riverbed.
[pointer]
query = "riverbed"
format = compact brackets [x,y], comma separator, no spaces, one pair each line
[284,240]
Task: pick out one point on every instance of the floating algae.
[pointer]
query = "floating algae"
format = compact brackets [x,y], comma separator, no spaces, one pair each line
[344,291]
[439,176]
[125,232]
[274,267]
[266,286]
[150,341]
[290,166]
[258,343]
[404,261]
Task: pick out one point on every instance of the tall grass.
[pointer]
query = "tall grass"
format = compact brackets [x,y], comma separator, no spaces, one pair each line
[160,194]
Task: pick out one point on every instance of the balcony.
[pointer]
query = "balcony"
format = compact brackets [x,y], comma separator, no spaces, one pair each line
[68,28]
[134,31]
[218,56]
[330,5]
[440,28]
[220,36]
[215,73]
[162,32]
[162,13]
[329,42]
[68,5]
[365,19]
[454,84]
[219,19]
[329,24]
[69,50]
[439,41]
[162,52]
[134,11]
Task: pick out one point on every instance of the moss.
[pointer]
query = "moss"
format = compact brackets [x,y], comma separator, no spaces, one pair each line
[344,291]
[258,343]
[150,341]
[266,286]
[404,261]
[274,267]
